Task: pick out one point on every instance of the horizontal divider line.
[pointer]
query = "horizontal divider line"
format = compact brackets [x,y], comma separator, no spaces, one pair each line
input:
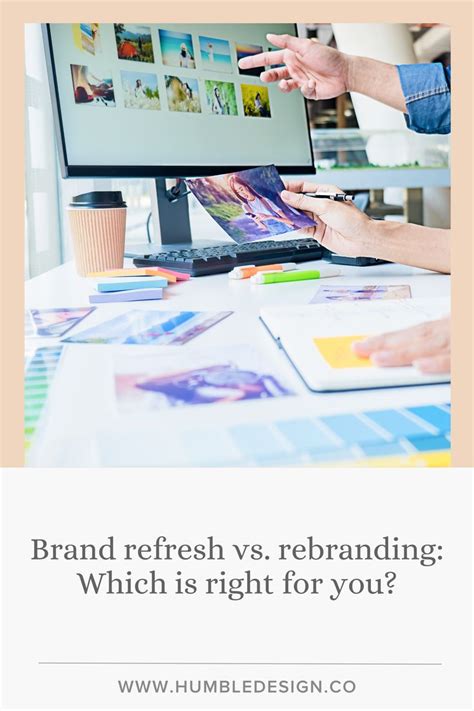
[260,664]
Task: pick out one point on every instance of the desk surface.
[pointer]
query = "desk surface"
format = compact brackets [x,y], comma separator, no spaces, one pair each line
[83,426]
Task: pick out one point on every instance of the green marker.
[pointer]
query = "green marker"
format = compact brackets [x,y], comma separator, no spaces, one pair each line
[281,277]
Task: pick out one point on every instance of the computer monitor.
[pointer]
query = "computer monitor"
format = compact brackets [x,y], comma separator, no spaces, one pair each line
[169,101]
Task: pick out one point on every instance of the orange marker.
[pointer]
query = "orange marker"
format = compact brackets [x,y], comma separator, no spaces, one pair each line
[249,270]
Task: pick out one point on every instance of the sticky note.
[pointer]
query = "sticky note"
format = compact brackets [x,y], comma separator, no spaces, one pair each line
[148,283]
[132,295]
[337,352]
[136,272]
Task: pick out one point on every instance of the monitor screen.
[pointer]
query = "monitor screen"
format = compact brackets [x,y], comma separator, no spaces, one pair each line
[146,100]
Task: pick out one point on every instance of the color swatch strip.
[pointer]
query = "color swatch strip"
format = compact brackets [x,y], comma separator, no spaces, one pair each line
[412,436]
[40,368]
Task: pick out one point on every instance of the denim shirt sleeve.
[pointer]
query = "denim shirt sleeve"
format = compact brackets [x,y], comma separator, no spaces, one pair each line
[427,92]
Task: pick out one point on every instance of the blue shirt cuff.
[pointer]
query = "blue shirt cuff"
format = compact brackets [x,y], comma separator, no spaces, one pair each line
[427,92]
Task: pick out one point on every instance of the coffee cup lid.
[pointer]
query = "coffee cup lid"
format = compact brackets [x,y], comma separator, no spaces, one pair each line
[99,199]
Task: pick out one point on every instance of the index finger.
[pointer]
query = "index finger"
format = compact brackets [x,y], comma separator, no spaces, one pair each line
[297,44]
[301,186]
[263,59]
[391,339]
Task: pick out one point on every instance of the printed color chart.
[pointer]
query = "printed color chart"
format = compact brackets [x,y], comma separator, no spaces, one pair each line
[40,368]
[412,436]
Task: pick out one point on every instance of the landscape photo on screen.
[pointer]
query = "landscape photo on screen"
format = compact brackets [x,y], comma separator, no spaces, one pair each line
[91,88]
[183,94]
[256,101]
[87,37]
[247,204]
[134,43]
[215,54]
[140,91]
[248,50]
[220,97]
[177,49]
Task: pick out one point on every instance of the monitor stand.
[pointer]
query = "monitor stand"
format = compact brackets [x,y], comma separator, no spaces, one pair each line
[171,215]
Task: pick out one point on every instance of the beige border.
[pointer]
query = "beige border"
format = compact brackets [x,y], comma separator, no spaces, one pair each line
[14,14]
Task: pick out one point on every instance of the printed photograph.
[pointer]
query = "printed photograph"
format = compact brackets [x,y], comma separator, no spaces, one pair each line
[371,292]
[220,97]
[156,328]
[134,43]
[256,101]
[90,88]
[214,384]
[87,37]
[177,49]
[247,204]
[183,94]
[215,54]
[226,375]
[246,50]
[51,323]
[140,91]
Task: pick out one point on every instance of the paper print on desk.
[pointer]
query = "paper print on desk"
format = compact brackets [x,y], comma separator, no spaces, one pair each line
[223,377]
[247,204]
[337,352]
[49,323]
[151,328]
[360,293]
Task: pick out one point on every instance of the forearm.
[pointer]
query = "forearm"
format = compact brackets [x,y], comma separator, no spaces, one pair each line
[414,245]
[376,79]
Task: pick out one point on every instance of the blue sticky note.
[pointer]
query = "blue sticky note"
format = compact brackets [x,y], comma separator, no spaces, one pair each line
[133,284]
[135,295]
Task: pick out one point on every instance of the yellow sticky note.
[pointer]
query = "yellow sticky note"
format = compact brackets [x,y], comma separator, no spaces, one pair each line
[337,352]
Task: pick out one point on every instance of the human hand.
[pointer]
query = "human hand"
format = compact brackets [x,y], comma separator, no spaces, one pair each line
[340,226]
[427,346]
[320,72]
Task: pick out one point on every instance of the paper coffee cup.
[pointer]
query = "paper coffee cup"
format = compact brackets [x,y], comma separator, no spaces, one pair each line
[97,221]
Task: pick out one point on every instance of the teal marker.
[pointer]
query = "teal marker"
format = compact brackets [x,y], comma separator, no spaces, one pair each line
[281,277]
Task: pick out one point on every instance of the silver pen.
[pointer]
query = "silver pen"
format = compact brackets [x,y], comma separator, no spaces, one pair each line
[339,197]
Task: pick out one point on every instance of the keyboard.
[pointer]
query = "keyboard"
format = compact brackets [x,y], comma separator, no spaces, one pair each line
[223,258]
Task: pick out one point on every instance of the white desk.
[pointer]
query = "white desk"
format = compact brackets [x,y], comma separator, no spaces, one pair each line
[83,426]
